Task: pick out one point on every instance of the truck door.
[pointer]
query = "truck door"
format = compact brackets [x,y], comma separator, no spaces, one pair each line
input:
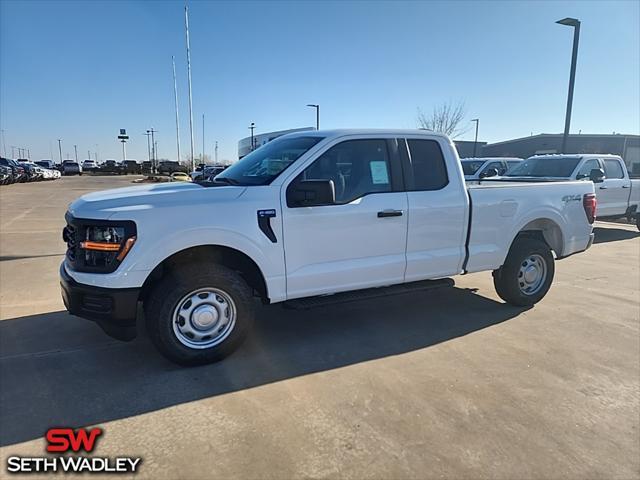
[357,242]
[613,193]
[437,211]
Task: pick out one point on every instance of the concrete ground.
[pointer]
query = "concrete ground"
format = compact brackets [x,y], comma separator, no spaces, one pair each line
[451,383]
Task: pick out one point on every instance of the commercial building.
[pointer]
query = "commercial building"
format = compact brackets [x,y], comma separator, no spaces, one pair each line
[245,147]
[466,148]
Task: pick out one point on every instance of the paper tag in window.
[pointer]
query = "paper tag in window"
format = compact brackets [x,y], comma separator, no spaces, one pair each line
[379,174]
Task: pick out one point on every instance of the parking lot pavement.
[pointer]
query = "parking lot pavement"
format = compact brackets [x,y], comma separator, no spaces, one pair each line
[448,383]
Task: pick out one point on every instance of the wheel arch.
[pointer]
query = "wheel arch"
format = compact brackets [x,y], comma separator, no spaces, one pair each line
[229,257]
[546,230]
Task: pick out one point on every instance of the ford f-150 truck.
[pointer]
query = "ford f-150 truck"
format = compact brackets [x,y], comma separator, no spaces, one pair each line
[305,218]
[618,195]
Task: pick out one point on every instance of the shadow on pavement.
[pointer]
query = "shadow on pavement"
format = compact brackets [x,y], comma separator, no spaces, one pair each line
[58,370]
[604,235]
[7,258]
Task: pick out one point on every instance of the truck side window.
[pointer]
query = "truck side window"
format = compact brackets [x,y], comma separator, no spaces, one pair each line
[586,168]
[429,168]
[613,169]
[357,167]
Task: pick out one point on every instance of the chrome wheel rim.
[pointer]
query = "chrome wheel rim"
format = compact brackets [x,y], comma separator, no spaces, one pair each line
[532,274]
[204,318]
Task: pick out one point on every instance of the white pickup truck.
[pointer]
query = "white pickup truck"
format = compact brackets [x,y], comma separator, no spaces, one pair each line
[302,220]
[618,195]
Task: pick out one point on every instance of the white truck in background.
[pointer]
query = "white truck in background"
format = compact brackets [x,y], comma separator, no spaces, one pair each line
[618,195]
[479,168]
[309,218]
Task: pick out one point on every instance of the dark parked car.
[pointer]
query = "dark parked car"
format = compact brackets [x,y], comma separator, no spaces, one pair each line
[69,167]
[47,164]
[19,174]
[147,167]
[6,175]
[111,166]
[131,166]
[168,167]
[34,172]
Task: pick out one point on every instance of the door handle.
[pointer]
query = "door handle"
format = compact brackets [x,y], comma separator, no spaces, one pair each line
[390,213]
[603,188]
[626,186]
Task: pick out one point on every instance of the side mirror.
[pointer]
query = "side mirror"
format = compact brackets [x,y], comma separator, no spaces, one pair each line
[597,175]
[490,172]
[309,193]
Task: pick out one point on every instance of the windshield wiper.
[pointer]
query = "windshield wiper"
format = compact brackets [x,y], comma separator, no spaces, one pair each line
[227,180]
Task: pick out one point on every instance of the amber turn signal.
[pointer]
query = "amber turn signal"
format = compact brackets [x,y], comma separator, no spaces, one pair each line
[127,246]
[100,246]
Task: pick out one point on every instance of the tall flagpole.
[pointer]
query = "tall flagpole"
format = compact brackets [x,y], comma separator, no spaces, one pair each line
[175,94]
[186,23]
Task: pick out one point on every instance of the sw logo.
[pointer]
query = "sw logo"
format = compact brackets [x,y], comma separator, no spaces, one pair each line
[68,440]
[65,439]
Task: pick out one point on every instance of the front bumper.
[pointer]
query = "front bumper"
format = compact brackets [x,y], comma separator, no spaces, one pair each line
[113,309]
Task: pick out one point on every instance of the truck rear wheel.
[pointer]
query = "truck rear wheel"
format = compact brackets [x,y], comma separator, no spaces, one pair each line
[199,315]
[527,273]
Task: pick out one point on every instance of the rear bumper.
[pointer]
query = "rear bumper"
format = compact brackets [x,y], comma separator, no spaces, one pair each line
[113,309]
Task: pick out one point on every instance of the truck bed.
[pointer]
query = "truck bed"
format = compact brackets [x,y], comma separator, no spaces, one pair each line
[501,208]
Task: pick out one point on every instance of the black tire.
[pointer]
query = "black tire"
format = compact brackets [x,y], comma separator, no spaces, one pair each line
[638,221]
[507,279]
[160,305]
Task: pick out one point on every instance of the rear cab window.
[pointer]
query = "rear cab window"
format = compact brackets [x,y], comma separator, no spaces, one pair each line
[428,167]
[613,169]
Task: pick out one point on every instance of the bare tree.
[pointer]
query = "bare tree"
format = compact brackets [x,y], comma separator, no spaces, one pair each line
[445,118]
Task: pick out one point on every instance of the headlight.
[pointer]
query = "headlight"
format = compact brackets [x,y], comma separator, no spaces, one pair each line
[97,246]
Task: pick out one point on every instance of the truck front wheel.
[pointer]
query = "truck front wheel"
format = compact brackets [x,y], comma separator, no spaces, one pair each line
[527,273]
[199,315]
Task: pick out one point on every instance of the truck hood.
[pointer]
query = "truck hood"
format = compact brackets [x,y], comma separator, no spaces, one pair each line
[107,203]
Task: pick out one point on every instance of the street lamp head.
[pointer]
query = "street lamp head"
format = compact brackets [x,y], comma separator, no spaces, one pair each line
[571,22]
[312,105]
[475,119]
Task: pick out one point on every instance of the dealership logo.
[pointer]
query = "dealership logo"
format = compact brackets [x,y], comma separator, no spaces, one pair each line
[70,441]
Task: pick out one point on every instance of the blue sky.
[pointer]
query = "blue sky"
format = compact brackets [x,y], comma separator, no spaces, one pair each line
[81,70]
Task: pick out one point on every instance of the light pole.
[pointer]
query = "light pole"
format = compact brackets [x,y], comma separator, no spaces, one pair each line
[148,134]
[475,142]
[575,23]
[4,143]
[317,107]
[216,153]
[60,149]
[175,98]
[252,128]
[186,28]
[203,138]
[75,147]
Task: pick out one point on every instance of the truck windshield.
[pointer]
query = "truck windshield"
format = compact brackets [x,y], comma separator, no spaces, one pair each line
[261,166]
[469,167]
[544,167]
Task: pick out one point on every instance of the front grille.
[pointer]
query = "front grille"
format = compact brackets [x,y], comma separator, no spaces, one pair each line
[69,236]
